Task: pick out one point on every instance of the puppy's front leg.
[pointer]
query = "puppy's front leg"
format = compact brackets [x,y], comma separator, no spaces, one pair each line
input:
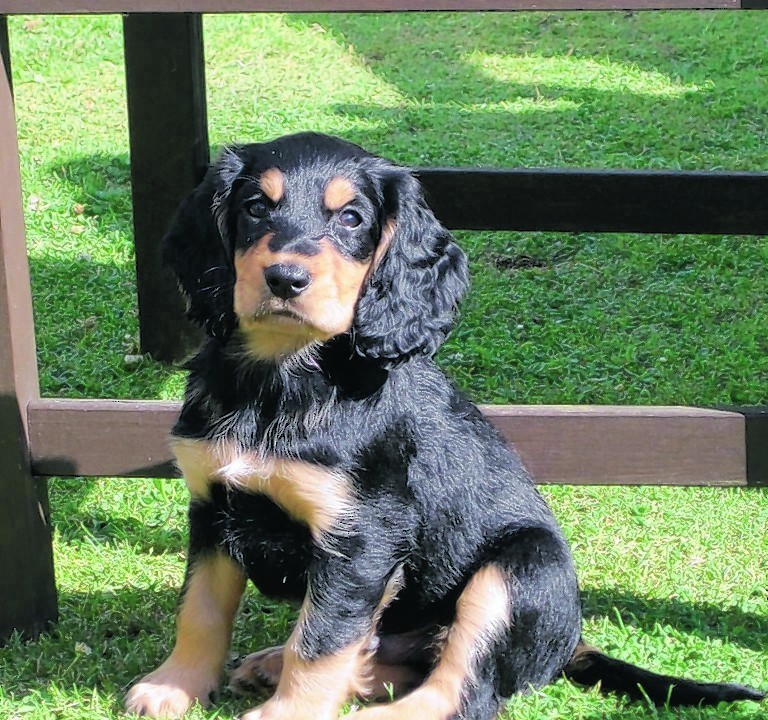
[209,600]
[327,657]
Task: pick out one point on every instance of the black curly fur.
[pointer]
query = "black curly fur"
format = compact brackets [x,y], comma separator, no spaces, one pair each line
[439,493]
[410,305]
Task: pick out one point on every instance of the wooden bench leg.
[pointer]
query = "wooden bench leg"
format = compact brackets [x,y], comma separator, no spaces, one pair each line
[27,586]
[167,117]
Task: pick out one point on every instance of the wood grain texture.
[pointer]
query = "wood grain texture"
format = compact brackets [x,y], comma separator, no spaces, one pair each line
[167,123]
[27,590]
[219,6]
[601,445]
[613,445]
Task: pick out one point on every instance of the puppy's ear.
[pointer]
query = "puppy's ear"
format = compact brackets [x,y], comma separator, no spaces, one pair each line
[199,249]
[409,303]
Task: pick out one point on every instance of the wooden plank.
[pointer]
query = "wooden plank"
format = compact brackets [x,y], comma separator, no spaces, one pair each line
[120,438]
[599,200]
[560,444]
[168,132]
[611,445]
[226,6]
[27,587]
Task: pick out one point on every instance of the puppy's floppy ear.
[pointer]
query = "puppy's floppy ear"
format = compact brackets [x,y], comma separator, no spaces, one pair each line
[409,304]
[199,248]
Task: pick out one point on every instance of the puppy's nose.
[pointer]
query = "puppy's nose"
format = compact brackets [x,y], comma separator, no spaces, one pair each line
[287,281]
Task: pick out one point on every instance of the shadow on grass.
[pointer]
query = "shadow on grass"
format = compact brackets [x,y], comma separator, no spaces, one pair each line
[144,537]
[556,117]
[105,641]
[84,288]
[76,520]
[702,620]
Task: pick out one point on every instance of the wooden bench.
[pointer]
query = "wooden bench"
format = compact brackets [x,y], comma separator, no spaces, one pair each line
[169,150]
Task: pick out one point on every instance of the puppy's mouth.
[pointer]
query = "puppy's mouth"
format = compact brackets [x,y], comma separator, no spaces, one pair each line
[279,312]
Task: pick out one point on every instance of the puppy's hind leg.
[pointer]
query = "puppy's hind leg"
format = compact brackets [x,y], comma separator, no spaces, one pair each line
[462,683]
[516,625]
[397,668]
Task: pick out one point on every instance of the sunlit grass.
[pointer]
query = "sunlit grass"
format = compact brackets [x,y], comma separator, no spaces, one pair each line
[674,579]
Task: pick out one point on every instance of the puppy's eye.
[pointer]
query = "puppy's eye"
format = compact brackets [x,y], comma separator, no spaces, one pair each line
[350,218]
[257,208]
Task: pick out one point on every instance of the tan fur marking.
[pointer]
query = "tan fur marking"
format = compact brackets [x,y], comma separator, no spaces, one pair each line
[196,463]
[482,614]
[324,310]
[341,281]
[319,497]
[316,689]
[272,184]
[250,286]
[203,631]
[387,235]
[338,193]
[261,671]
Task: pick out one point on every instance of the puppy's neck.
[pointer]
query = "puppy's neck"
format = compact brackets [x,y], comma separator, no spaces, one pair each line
[276,343]
[316,371]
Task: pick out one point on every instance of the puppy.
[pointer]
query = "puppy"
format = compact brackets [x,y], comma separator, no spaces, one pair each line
[333,464]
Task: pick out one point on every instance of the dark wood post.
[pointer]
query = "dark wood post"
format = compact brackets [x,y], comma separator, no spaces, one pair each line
[5,49]
[165,77]
[27,586]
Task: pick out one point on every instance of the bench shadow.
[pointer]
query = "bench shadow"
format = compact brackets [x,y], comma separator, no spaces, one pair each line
[75,521]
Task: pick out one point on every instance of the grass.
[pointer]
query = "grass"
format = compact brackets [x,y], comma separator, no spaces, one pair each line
[673,578]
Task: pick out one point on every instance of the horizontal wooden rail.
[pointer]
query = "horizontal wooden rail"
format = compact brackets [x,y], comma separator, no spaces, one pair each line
[228,6]
[596,445]
[576,200]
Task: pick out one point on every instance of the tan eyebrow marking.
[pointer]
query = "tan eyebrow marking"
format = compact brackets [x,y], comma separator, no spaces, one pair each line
[272,183]
[338,192]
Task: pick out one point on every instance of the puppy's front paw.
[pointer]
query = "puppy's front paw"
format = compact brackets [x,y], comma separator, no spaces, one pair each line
[170,691]
[275,709]
[258,673]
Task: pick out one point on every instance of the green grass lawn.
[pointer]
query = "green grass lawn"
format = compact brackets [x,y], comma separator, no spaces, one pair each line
[675,579]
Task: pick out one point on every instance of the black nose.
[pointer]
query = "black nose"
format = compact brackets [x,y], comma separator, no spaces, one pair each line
[287,281]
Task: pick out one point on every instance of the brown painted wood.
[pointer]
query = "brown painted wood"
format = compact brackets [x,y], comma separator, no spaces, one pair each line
[116,438]
[608,445]
[27,588]
[168,132]
[599,200]
[218,6]
[583,445]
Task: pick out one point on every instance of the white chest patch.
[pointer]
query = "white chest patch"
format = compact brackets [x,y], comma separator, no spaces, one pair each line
[323,499]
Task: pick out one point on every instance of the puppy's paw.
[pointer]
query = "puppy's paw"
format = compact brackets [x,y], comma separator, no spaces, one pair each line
[270,710]
[171,690]
[274,709]
[258,673]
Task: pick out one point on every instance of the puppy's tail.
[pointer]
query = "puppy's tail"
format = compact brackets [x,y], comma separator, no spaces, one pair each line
[589,666]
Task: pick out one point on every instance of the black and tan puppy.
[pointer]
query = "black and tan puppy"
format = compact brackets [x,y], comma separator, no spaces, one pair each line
[333,464]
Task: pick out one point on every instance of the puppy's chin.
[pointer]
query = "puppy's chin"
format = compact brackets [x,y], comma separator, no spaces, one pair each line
[278,336]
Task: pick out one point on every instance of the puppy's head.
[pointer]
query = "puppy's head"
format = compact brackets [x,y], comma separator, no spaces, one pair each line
[307,237]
